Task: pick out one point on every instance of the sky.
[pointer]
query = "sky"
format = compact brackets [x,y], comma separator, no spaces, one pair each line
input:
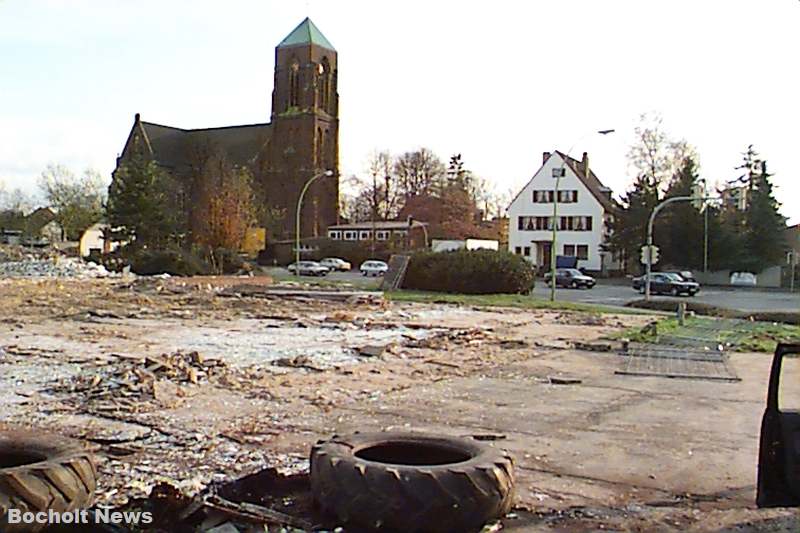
[499,82]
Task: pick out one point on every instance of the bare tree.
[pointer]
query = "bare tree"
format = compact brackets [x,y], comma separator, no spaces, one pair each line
[654,154]
[419,172]
[76,200]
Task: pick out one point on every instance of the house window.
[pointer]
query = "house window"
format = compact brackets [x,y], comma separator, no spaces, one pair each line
[364,235]
[350,235]
[334,234]
[518,250]
[527,251]
[583,251]
[399,232]
[567,197]
[543,197]
[569,250]
[382,235]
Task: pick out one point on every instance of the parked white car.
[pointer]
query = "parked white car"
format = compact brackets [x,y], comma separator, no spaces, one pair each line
[335,263]
[373,268]
[308,268]
[747,279]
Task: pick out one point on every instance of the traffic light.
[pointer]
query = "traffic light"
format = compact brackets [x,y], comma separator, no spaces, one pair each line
[652,251]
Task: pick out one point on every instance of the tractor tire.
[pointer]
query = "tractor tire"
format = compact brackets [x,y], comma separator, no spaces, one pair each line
[42,472]
[411,482]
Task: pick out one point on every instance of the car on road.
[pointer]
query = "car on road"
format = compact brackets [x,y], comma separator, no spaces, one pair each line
[308,268]
[686,275]
[666,283]
[373,268]
[335,263]
[572,278]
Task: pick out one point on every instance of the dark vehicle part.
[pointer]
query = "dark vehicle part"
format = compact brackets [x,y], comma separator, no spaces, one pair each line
[779,449]
[42,472]
[412,482]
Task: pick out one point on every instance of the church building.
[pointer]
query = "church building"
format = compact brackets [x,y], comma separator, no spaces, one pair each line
[300,140]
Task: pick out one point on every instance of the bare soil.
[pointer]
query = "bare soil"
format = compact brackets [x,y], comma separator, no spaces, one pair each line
[194,382]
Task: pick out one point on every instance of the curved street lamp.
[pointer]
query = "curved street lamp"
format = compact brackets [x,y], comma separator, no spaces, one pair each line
[327,174]
[558,173]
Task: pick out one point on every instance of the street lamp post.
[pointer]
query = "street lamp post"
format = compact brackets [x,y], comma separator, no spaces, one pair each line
[558,173]
[327,173]
[649,254]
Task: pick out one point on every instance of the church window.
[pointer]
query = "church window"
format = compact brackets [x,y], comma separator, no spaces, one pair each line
[324,70]
[294,84]
[320,148]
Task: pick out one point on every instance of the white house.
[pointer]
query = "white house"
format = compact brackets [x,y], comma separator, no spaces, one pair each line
[585,211]
[92,240]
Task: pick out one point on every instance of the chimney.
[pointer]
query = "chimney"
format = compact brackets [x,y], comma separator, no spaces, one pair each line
[585,163]
[545,157]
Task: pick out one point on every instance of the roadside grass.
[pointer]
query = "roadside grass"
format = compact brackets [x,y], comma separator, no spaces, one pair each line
[519,301]
[750,337]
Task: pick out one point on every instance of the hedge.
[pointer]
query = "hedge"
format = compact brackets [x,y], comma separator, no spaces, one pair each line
[470,272]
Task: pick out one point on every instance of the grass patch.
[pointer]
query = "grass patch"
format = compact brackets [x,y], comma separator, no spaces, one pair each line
[750,337]
[519,301]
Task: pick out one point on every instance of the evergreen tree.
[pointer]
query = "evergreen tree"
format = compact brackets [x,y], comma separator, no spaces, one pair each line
[629,228]
[679,227]
[142,205]
[764,236]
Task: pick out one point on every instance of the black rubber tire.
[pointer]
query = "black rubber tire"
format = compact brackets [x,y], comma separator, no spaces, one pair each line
[457,496]
[674,292]
[41,472]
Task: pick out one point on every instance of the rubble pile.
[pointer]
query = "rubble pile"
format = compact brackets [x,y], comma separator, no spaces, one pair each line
[43,264]
[135,385]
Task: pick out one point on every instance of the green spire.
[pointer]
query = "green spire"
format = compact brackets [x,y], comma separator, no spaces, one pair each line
[306,33]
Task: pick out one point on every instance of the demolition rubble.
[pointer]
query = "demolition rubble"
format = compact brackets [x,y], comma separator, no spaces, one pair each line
[201,399]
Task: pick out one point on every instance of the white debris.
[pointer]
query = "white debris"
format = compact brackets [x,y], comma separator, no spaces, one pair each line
[56,267]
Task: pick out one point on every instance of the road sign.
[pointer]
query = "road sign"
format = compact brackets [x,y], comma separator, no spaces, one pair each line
[652,251]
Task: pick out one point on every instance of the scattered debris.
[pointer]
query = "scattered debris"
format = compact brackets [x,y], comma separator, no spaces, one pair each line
[371,350]
[563,380]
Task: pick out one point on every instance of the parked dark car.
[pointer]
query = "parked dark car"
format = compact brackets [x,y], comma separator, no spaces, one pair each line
[666,283]
[686,275]
[572,278]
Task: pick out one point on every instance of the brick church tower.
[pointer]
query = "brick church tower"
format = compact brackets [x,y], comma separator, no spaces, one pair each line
[300,141]
[305,130]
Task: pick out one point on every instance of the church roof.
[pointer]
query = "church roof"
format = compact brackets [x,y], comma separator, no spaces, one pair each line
[174,147]
[306,33]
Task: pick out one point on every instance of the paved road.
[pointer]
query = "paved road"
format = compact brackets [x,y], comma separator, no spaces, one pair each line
[616,294]
[741,299]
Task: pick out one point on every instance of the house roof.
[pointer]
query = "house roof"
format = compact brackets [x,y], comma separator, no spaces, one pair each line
[306,33]
[378,225]
[174,147]
[591,182]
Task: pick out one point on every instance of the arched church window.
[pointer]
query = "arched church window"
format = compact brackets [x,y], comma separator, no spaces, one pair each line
[324,70]
[294,84]
[320,148]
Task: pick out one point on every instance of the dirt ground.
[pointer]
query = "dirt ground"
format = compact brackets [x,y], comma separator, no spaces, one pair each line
[215,378]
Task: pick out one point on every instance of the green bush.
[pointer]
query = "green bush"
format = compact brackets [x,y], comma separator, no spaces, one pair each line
[470,272]
[172,262]
[225,261]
